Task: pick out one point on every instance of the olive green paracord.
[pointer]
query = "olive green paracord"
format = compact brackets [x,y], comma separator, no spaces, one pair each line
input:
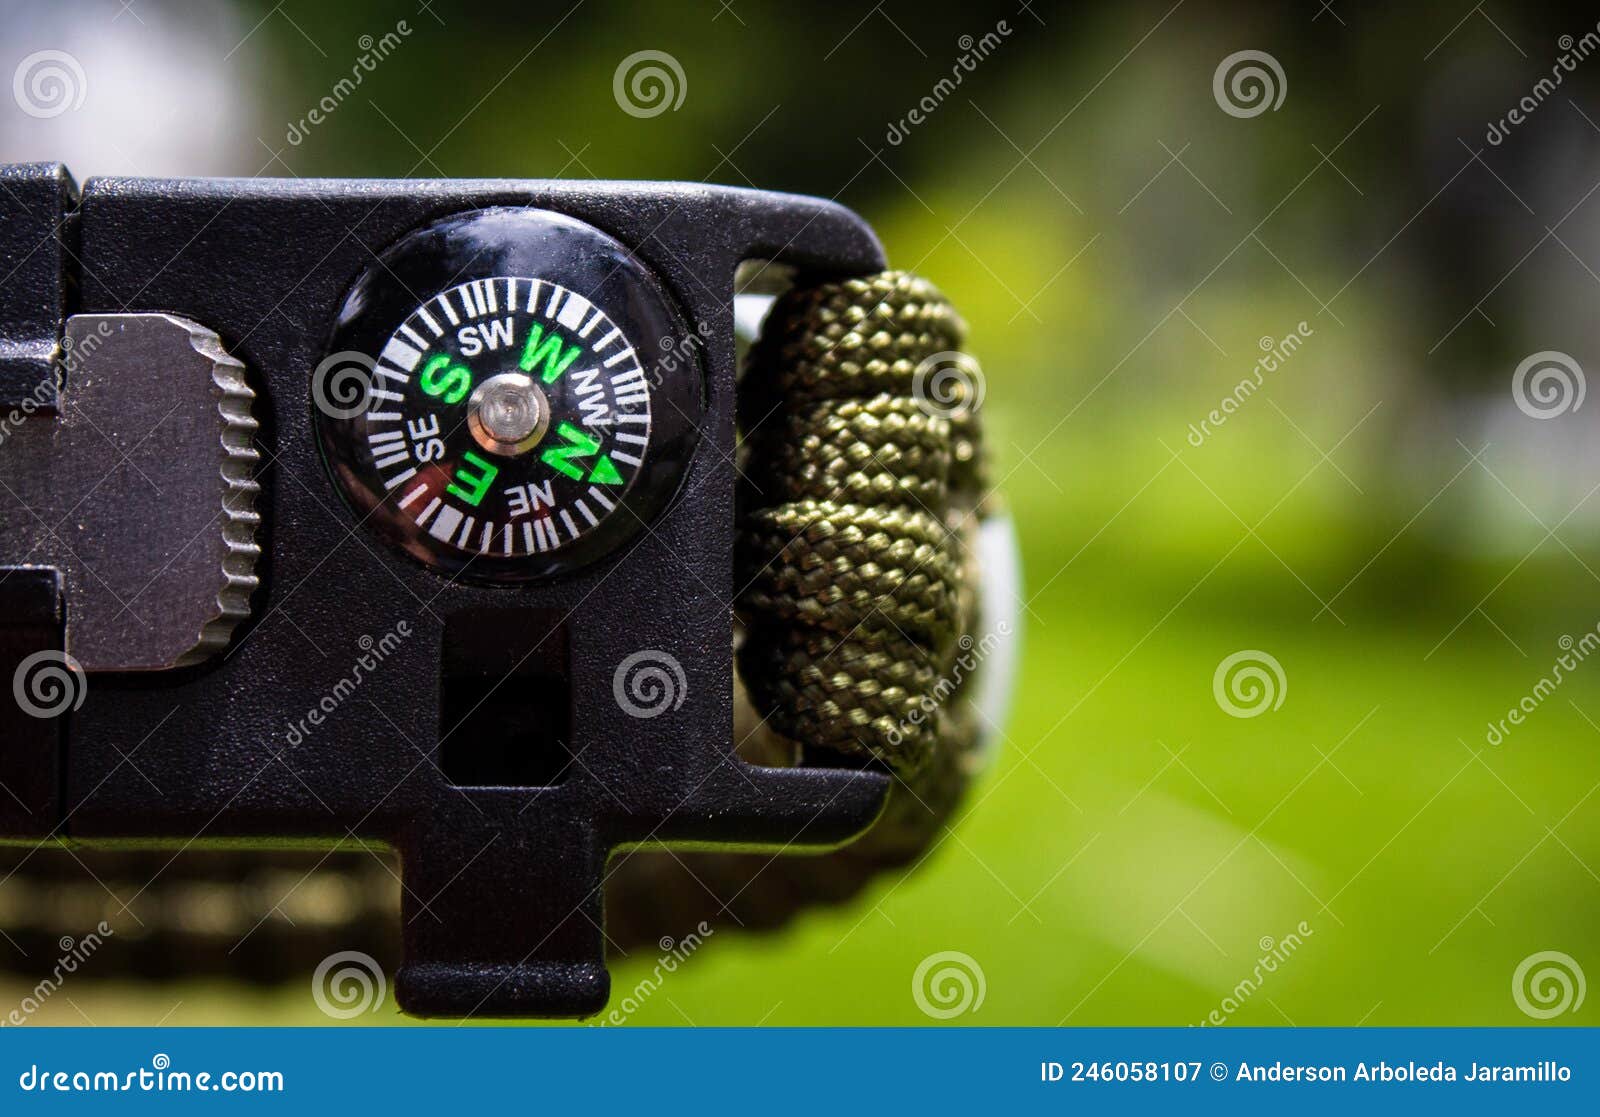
[858,592]
[856,510]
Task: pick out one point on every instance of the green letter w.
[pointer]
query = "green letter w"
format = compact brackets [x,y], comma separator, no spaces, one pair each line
[550,350]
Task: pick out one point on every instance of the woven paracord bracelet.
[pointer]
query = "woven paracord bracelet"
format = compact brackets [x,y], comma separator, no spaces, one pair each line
[852,559]
[862,496]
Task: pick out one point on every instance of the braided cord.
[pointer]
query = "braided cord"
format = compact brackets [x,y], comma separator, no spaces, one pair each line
[852,535]
[859,596]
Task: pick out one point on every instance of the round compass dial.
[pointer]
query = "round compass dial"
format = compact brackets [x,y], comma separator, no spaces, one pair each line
[528,395]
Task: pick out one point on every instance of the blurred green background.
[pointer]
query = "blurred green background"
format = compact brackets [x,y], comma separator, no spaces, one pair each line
[1381,518]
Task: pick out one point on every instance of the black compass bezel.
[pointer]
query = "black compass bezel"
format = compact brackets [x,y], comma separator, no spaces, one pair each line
[522,242]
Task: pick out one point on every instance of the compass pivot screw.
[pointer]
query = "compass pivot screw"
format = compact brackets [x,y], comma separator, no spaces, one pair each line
[508,414]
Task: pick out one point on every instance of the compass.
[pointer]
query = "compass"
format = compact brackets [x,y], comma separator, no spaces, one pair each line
[528,395]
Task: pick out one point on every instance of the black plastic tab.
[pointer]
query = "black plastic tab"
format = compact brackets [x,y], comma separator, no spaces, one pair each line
[36,201]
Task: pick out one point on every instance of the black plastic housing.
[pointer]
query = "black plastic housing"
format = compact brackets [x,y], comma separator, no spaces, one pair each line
[268,744]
